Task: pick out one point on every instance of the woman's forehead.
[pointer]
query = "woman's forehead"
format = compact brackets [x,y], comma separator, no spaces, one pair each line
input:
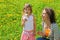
[44,11]
[28,8]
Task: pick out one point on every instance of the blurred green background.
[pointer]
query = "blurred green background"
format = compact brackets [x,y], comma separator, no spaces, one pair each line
[11,13]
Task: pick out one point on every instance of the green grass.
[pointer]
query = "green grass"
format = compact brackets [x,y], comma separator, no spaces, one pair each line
[11,12]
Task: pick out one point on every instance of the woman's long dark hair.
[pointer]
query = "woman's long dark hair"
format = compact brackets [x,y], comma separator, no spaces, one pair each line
[51,14]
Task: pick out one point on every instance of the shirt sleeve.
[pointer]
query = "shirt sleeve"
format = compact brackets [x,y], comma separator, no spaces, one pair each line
[54,32]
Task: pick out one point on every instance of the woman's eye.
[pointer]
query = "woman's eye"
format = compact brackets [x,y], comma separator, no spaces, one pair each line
[43,14]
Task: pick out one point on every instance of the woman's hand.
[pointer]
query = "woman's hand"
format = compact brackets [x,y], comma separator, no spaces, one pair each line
[34,34]
[40,33]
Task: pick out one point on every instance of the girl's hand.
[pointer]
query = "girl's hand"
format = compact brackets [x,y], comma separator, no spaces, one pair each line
[23,21]
[25,18]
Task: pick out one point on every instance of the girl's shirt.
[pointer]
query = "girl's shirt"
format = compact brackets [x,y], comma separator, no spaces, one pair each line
[29,23]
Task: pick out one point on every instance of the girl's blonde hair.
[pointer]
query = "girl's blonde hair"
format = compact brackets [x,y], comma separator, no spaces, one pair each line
[27,6]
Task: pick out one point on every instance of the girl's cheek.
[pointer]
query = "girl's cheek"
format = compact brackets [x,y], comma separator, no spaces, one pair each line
[25,11]
[28,11]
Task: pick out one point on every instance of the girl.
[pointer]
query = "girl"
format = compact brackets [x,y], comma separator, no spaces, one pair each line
[28,23]
[49,22]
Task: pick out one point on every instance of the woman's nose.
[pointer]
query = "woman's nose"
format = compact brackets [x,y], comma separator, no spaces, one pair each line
[43,15]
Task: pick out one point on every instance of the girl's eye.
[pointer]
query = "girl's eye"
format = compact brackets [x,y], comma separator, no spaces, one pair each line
[25,9]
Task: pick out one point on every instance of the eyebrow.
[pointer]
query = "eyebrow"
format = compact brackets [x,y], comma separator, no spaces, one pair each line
[44,13]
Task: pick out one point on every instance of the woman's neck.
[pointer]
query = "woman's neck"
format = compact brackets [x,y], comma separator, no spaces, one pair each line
[48,24]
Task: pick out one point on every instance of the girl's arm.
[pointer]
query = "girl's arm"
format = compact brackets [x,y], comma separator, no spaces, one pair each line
[34,20]
[23,21]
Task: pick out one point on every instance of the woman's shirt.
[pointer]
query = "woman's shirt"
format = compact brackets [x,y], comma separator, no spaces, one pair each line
[54,34]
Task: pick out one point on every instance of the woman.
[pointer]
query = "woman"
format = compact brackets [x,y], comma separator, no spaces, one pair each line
[49,22]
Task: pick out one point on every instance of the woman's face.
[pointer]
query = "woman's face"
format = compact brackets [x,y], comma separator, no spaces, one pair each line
[45,16]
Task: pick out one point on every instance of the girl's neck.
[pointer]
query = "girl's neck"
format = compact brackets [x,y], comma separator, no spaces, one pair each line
[29,14]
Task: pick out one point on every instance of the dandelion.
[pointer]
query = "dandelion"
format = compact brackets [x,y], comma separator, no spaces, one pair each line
[0,26]
[48,1]
[15,38]
[0,37]
[59,23]
[3,18]
[14,20]
[58,11]
[1,0]
[9,15]
[17,15]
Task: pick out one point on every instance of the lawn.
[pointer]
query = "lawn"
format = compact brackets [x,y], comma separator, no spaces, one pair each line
[11,13]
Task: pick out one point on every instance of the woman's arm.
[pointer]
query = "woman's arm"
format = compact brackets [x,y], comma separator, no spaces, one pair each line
[40,33]
[56,33]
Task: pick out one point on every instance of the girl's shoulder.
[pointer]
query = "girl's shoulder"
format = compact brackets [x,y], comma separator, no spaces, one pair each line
[33,15]
[23,15]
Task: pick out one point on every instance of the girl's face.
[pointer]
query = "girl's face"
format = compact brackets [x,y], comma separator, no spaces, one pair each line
[27,10]
[45,16]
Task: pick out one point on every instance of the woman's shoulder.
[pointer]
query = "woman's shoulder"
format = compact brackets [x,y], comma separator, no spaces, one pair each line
[54,26]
